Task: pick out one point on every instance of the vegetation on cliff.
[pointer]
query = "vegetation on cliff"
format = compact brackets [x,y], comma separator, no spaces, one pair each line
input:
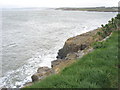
[113,24]
[98,69]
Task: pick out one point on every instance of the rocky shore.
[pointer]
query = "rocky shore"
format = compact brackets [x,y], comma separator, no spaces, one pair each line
[74,48]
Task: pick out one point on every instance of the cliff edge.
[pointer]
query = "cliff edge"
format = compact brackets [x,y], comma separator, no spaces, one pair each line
[78,43]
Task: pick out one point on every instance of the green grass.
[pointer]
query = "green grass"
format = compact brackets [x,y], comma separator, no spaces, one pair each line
[95,70]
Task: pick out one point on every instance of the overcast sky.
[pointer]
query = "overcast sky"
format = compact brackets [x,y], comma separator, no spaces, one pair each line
[58,3]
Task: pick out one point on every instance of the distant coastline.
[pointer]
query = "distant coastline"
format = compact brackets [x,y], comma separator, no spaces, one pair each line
[97,9]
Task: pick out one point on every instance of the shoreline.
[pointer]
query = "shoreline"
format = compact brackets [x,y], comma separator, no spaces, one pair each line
[81,49]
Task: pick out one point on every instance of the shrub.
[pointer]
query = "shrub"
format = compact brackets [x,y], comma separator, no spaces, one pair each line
[112,25]
[118,16]
[99,33]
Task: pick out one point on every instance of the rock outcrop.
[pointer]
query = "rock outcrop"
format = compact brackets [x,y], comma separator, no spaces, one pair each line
[42,72]
[77,43]
[59,64]
[72,50]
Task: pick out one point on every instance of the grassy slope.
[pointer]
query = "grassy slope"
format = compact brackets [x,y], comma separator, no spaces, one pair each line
[95,70]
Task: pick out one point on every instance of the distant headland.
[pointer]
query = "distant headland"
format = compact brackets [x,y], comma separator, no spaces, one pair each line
[97,9]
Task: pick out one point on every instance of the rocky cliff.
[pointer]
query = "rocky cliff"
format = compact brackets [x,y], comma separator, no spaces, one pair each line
[77,43]
[74,48]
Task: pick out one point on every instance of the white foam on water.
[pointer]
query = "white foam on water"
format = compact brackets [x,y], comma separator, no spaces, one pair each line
[23,74]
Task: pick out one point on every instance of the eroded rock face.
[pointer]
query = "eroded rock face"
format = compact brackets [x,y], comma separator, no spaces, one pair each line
[68,48]
[83,46]
[59,64]
[27,84]
[77,43]
[42,72]
[56,62]
[71,56]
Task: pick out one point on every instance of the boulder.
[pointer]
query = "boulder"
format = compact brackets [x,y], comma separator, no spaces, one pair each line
[68,48]
[42,72]
[27,84]
[59,64]
[71,56]
[56,62]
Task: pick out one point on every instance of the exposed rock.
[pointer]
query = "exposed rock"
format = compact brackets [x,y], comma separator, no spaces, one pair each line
[83,46]
[4,89]
[56,62]
[77,43]
[43,70]
[41,73]
[59,64]
[80,54]
[71,56]
[90,49]
[27,84]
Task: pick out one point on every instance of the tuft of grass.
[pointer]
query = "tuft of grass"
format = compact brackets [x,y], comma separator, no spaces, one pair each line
[97,69]
[97,45]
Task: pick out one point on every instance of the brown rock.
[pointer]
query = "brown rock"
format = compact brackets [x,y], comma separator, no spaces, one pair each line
[56,62]
[77,43]
[35,77]
[59,64]
[42,72]
[27,84]
[71,56]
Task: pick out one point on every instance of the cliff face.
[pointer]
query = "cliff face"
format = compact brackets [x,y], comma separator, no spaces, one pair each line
[77,43]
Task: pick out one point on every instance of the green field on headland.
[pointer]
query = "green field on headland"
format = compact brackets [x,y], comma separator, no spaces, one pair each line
[97,69]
